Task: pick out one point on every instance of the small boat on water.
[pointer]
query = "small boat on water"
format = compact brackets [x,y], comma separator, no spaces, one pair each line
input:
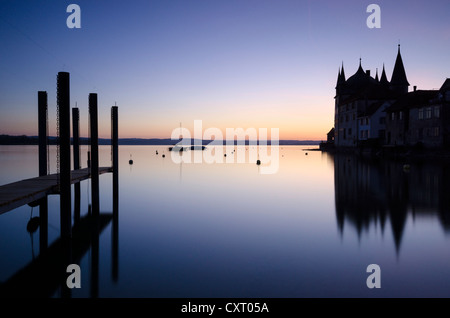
[198,147]
[178,148]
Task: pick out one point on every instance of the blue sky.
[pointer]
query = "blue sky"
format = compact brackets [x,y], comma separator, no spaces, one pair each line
[260,64]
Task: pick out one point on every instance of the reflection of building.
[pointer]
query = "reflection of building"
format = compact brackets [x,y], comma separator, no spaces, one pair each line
[377,111]
[382,192]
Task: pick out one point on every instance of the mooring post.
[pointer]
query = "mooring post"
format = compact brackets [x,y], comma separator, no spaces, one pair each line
[43,203]
[115,166]
[93,118]
[76,137]
[76,159]
[63,98]
[42,131]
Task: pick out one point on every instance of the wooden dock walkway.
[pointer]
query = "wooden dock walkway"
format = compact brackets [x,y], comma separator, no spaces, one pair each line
[19,193]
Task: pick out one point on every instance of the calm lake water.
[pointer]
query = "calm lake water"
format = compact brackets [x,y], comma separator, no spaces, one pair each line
[228,230]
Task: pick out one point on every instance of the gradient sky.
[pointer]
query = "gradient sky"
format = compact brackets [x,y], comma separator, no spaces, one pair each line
[230,63]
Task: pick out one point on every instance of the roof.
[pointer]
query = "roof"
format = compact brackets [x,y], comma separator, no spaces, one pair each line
[412,100]
[445,86]
[399,74]
[372,109]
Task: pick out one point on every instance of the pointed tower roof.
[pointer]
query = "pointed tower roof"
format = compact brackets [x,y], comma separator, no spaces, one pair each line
[399,74]
[342,72]
[341,76]
[338,77]
[376,76]
[383,79]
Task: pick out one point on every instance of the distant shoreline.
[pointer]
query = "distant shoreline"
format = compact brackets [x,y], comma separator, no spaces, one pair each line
[8,140]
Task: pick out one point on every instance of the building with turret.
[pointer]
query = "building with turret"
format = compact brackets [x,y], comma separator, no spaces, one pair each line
[360,102]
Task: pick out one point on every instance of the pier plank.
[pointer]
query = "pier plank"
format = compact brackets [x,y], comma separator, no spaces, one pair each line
[22,192]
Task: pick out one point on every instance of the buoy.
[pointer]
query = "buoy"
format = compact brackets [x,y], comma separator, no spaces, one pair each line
[225,155]
[130,161]
[163,155]
[156,151]
[258,162]
[306,154]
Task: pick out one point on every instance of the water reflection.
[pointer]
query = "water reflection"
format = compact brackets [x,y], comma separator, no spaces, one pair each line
[379,191]
[46,274]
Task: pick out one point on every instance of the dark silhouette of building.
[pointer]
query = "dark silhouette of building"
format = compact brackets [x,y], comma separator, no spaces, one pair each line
[375,111]
[420,118]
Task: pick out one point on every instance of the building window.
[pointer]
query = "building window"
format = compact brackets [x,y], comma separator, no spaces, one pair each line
[393,116]
[421,113]
[349,131]
[436,131]
[346,117]
[437,112]
[354,116]
[382,120]
[428,113]
[400,115]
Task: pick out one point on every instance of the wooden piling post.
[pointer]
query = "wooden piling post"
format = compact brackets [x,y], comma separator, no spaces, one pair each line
[63,97]
[76,159]
[76,137]
[115,166]
[93,119]
[42,131]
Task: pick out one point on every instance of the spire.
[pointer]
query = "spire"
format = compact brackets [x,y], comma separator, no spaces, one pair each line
[338,77]
[342,72]
[383,79]
[341,76]
[376,76]
[399,81]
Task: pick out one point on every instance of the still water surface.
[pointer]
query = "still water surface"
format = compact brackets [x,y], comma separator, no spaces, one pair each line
[227,230]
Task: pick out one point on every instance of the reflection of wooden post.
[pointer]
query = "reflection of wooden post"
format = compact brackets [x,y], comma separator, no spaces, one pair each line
[42,130]
[95,233]
[64,153]
[93,116]
[43,225]
[76,204]
[94,257]
[115,165]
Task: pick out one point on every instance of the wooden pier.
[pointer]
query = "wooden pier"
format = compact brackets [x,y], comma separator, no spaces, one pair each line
[23,192]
